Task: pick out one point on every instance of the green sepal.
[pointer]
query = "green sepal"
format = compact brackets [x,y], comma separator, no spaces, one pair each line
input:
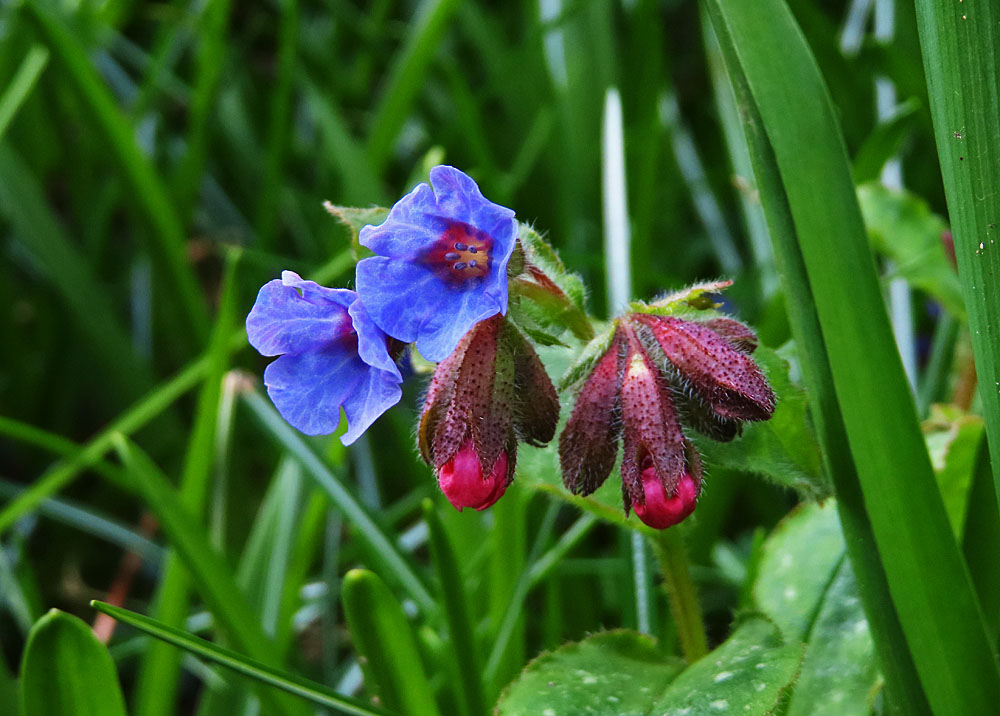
[355,218]
[584,364]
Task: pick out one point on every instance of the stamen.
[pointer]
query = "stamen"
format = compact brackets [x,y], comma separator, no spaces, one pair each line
[472,263]
[451,256]
[459,246]
[473,249]
[460,265]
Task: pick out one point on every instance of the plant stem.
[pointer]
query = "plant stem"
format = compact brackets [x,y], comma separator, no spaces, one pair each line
[670,550]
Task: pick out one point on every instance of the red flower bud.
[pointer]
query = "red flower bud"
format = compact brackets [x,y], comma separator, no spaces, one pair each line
[462,482]
[490,392]
[661,510]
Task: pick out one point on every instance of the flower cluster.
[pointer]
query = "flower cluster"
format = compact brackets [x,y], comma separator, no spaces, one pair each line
[438,279]
[440,268]
[656,370]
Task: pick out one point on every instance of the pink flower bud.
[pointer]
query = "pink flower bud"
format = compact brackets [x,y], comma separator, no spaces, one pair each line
[462,482]
[660,509]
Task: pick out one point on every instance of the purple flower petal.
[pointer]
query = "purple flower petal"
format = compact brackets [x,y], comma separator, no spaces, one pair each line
[283,321]
[375,394]
[442,263]
[372,341]
[308,389]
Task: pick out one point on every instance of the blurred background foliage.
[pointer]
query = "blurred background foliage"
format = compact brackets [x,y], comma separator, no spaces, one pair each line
[147,146]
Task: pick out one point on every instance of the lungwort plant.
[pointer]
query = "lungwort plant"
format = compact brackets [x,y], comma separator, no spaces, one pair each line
[388,493]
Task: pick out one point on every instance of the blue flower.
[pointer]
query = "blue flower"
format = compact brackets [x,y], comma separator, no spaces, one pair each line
[332,356]
[441,265]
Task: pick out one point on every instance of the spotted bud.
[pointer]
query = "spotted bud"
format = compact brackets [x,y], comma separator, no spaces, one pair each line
[588,444]
[491,391]
[709,368]
[656,456]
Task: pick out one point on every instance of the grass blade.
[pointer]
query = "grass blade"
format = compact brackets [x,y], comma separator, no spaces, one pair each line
[22,84]
[159,674]
[950,648]
[380,544]
[960,43]
[147,189]
[208,568]
[456,610]
[311,691]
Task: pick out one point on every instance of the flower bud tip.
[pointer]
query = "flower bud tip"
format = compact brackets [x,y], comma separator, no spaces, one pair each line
[462,482]
[661,511]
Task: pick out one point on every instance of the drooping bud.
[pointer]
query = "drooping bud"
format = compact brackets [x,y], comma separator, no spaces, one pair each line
[656,456]
[489,392]
[462,482]
[588,444]
[660,510]
[706,366]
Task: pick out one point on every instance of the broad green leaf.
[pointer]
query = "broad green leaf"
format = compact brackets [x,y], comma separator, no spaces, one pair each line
[903,229]
[953,441]
[798,563]
[783,449]
[805,584]
[750,673]
[66,671]
[617,673]
[309,690]
[839,674]
[385,645]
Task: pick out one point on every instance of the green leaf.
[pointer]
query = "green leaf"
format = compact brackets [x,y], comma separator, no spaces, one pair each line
[208,569]
[616,673]
[750,673]
[385,645]
[953,442]
[22,85]
[950,648]
[66,671]
[839,675]
[783,449]
[309,690]
[903,229]
[798,563]
[884,141]
[960,45]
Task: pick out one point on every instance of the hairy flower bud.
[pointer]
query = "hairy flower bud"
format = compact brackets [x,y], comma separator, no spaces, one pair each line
[657,373]
[708,368]
[462,481]
[489,393]
[656,455]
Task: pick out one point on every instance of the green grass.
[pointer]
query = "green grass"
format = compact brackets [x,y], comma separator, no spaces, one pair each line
[160,161]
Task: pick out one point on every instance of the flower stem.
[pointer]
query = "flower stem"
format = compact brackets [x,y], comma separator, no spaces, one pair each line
[670,550]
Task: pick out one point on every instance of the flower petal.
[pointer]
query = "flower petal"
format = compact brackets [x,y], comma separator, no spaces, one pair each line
[411,304]
[284,321]
[371,397]
[309,389]
[372,341]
